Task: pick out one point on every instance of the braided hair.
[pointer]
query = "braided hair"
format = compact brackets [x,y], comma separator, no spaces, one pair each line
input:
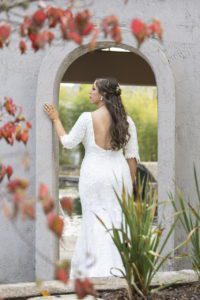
[111,92]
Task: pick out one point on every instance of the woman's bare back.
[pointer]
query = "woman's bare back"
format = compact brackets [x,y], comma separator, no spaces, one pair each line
[101,120]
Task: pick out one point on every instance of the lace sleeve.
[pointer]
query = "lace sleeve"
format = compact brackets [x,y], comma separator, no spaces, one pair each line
[76,134]
[131,148]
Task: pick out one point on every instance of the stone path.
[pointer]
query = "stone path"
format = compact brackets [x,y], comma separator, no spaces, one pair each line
[30,289]
[62,297]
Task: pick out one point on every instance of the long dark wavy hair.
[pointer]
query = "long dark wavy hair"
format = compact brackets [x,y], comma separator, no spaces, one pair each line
[111,92]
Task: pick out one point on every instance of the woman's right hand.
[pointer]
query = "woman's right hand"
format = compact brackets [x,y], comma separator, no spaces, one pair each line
[51,111]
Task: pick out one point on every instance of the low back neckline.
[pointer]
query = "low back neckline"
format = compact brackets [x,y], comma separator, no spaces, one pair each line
[93,135]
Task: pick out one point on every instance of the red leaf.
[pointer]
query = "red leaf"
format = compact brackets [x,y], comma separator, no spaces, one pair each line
[24,136]
[155,28]
[39,40]
[67,204]
[28,124]
[48,205]
[75,37]
[25,27]
[39,17]
[62,271]
[10,106]
[28,210]
[84,287]
[49,37]
[9,171]
[55,223]
[139,29]
[55,15]
[88,29]
[22,47]
[43,192]
[93,39]
[18,136]
[2,172]
[110,27]
[5,30]
[15,184]
[82,22]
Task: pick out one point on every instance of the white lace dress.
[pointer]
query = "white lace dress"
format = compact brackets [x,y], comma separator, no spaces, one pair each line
[101,170]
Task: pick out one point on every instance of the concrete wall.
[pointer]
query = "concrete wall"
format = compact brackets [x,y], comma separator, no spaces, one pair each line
[176,64]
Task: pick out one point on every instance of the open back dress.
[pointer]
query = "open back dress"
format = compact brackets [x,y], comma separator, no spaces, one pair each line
[102,171]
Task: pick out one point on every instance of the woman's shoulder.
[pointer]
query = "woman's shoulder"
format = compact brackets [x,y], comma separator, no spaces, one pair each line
[130,121]
[84,115]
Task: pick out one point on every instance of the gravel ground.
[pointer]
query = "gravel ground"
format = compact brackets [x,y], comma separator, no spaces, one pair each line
[190,291]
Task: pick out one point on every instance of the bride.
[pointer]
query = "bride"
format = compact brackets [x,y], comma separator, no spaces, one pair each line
[109,137]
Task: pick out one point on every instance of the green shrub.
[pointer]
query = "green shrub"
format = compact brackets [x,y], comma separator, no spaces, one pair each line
[190,220]
[138,241]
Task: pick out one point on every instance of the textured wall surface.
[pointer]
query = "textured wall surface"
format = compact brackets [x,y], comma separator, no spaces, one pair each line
[22,78]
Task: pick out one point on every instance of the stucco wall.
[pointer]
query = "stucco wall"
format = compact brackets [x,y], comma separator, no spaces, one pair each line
[19,79]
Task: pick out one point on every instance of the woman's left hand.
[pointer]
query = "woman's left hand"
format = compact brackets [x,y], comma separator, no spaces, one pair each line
[51,111]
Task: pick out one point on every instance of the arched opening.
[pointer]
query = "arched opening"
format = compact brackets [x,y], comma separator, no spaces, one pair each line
[139,96]
[52,70]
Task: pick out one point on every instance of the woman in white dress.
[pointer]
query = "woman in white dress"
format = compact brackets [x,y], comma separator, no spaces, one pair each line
[109,137]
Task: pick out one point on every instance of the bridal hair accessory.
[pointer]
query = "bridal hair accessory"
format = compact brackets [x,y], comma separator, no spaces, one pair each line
[117,90]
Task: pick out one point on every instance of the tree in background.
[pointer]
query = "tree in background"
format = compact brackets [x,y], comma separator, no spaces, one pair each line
[140,103]
[72,102]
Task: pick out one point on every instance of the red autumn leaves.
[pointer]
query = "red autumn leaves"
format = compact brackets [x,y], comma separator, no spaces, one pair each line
[111,27]
[55,222]
[141,31]
[13,130]
[18,203]
[31,28]
[37,28]
[17,188]
[18,200]
[71,27]
[84,287]
[5,30]
[5,171]
[75,28]
[62,271]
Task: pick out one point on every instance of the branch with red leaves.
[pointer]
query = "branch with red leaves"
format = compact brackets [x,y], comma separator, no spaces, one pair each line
[13,129]
[15,202]
[8,5]
[39,28]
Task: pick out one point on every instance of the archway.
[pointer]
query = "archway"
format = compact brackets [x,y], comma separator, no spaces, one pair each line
[54,65]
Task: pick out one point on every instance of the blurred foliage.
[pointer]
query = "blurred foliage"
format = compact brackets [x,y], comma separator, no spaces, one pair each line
[140,103]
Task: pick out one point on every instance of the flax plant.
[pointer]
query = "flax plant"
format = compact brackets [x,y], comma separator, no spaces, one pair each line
[190,220]
[138,241]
